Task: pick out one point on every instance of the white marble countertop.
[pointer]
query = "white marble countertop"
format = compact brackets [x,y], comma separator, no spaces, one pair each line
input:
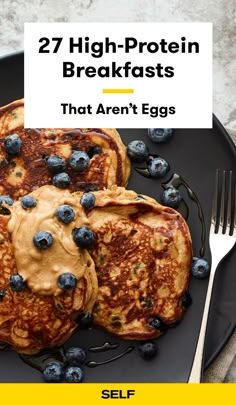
[222,13]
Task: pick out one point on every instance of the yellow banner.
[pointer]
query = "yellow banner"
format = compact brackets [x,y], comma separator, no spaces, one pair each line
[117,393]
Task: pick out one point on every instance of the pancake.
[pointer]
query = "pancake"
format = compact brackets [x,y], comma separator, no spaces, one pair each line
[27,171]
[30,322]
[142,254]
[42,316]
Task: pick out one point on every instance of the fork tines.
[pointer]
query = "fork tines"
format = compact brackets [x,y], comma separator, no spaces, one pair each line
[223,219]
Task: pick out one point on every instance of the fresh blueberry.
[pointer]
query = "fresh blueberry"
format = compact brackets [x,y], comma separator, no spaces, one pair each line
[43,240]
[79,161]
[147,350]
[65,214]
[83,236]
[85,320]
[28,202]
[53,372]
[6,199]
[157,167]
[88,200]
[137,151]
[75,356]
[61,180]
[171,197]
[56,164]
[157,323]
[66,281]
[94,150]
[12,144]
[159,135]
[17,282]
[73,374]
[200,268]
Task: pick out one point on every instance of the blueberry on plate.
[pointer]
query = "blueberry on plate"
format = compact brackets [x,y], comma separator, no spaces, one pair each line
[61,180]
[79,161]
[43,240]
[73,374]
[66,281]
[6,199]
[17,282]
[83,236]
[85,320]
[200,268]
[147,350]
[159,135]
[28,202]
[56,164]
[75,356]
[53,372]
[171,197]
[12,144]
[157,323]
[157,167]
[65,214]
[137,151]
[88,200]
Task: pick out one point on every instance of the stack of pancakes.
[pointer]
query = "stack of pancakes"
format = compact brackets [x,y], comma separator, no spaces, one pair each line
[136,271]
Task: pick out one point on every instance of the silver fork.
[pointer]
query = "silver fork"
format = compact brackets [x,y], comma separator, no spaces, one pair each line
[222,239]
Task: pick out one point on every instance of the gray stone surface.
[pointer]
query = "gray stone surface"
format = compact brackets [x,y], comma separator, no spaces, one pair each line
[222,13]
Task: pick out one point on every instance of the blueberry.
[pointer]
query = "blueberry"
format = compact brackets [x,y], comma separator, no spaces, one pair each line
[85,320]
[200,268]
[61,180]
[6,199]
[94,150]
[73,374]
[147,350]
[53,372]
[28,202]
[56,164]
[65,214]
[157,323]
[17,282]
[159,135]
[83,237]
[75,356]
[88,200]
[43,240]
[66,281]
[12,144]
[137,151]
[171,197]
[157,167]
[79,161]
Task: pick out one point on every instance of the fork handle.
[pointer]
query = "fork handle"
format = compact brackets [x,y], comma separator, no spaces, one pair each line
[196,371]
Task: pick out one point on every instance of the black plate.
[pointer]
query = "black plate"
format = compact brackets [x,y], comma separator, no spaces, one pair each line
[195,154]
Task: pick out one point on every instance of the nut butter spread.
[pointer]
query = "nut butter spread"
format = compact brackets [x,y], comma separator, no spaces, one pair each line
[41,268]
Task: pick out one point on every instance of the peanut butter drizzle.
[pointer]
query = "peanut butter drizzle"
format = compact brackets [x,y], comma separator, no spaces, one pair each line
[41,268]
